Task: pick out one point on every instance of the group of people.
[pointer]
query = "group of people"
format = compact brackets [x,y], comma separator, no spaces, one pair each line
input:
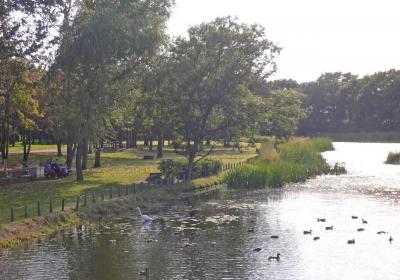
[55,169]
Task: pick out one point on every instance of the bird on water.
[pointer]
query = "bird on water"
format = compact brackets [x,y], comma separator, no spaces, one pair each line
[146,218]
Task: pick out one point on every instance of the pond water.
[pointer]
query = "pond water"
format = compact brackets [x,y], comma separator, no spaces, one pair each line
[217,240]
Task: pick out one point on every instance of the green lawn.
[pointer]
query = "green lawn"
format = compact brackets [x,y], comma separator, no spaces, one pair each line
[119,169]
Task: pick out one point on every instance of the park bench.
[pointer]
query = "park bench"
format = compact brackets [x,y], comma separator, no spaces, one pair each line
[148,157]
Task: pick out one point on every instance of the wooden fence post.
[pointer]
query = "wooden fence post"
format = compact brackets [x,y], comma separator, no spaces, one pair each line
[39,212]
[93,197]
[25,210]
[50,205]
[62,205]
[102,194]
[85,200]
[11,214]
[126,190]
[77,203]
[111,192]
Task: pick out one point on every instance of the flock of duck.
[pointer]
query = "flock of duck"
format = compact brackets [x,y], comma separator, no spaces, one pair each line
[315,238]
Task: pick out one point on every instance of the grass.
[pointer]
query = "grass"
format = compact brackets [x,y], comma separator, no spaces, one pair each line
[294,162]
[119,169]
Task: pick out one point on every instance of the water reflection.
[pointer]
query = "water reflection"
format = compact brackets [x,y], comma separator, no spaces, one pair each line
[224,231]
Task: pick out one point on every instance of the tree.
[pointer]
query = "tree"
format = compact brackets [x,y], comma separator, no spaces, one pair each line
[283,113]
[108,41]
[211,67]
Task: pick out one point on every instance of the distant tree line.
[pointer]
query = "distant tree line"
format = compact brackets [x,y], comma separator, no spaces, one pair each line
[342,102]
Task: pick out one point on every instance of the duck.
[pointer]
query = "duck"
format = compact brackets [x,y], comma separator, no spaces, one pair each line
[381,232]
[323,220]
[360,229]
[329,228]
[307,232]
[278,257]
[113,241]
[364,221]
[257,249]
[274,236]
[354,217]
[144,272]
[390,239]
[251,230]
[352,241]
[316,238]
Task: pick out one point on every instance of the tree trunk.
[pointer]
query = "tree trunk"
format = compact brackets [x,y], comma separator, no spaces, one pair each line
[71,148]
[78,162]
[97,158]
[59,149]
[150,144]
[146,142]
[134,139]
[192,151]
[26,143]
[160,147]
[85,152]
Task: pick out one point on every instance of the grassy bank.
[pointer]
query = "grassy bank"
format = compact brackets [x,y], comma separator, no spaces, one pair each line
[119,170]
[15,234]
[295,161]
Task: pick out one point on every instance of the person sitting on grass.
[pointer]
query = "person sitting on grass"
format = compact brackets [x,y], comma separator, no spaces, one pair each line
[49,172]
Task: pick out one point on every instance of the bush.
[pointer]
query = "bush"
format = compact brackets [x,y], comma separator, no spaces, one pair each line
[393,158]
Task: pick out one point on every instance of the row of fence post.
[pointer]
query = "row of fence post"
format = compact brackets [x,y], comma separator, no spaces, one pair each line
[136,188]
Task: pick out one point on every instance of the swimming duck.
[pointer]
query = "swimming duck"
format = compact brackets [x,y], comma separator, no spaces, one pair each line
[144,272]
[352,241]
[316,238]
[390,239]
[307,232]
[250,230]
[381,232]
[329,228]
[360,229]
[257,249]
[354,217]
[364,221]
[323,220]
[274,236]
[278,257]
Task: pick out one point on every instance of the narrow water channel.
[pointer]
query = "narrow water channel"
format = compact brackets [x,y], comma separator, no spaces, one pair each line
[223,232]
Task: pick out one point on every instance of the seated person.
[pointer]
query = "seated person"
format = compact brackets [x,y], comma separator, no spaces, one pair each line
[48,170]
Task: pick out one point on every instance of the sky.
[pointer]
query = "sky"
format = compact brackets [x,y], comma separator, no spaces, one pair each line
[317,36]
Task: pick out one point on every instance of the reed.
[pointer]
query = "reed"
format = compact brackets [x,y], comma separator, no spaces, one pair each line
[295,162]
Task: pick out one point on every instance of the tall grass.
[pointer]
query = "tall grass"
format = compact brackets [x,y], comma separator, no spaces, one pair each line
[295,162]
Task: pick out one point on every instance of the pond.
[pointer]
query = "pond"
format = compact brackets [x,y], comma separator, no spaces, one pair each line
[215,239]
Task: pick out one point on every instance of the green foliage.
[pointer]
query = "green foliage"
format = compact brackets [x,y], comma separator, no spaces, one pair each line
[393,158]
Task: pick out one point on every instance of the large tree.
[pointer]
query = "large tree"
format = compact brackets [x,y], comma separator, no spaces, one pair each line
[213,67]
[107,42]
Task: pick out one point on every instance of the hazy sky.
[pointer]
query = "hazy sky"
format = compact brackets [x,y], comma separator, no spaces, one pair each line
[317,36]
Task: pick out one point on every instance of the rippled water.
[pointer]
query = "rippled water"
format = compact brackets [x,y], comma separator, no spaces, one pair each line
[244,221]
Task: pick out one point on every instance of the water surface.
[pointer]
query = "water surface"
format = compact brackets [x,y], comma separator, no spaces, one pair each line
[221,244]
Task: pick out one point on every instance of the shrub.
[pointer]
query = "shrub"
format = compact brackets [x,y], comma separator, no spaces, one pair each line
[393,158]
